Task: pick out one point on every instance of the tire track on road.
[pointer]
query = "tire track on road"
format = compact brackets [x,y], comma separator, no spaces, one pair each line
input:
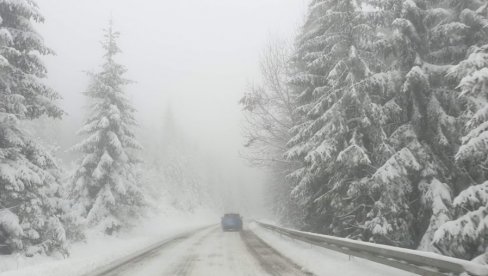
[186,265]
[271,260]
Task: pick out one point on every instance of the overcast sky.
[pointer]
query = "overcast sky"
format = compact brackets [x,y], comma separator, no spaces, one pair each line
[197,55]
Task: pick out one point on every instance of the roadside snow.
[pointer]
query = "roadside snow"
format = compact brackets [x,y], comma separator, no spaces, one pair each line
[100,249]
[469,266]
[320,261]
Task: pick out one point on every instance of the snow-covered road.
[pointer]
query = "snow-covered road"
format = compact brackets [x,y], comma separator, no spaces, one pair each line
[212,252]
[254,252]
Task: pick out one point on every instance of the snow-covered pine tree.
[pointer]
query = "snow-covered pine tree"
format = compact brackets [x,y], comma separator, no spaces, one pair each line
[344,106]
[421,39]
[106,188]
[466,236]
[470,77]
[399,117]
[29,177]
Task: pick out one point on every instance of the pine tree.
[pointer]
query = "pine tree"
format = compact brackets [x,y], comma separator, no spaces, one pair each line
[379,121]
[106,189]
[470,77]
[466,236]
[30,204]
[437,198]
[343,105]
[421,40]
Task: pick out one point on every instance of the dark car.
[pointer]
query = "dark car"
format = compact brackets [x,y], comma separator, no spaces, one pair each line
[231,222]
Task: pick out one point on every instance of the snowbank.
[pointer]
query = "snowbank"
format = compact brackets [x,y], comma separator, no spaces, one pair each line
[100,249]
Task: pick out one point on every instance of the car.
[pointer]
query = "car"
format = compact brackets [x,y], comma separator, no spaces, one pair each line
[231,222]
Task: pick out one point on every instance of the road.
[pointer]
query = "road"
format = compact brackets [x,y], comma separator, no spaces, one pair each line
[211,252]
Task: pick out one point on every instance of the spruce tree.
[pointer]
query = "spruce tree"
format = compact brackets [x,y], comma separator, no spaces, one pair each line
[343,109]
[30,204]
[106,190]
[466,235]
[421,40]
[379,121]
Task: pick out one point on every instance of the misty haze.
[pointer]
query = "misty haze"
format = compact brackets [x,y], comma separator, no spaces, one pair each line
[243,137]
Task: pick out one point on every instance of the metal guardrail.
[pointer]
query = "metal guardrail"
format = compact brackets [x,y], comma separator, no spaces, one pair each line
[418,262]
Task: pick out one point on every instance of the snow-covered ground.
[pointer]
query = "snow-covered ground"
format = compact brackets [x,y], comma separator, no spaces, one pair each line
[207,252]
[320,261]
[100,249]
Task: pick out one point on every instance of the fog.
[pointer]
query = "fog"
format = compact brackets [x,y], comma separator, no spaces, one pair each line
[195,57]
